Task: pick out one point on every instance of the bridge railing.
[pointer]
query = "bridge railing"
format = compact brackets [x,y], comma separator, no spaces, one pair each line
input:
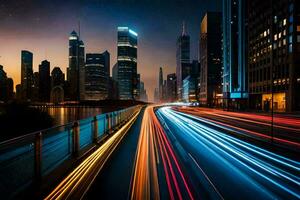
[27,159]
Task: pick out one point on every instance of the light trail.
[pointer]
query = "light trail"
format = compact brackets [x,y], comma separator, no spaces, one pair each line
[154,147]
[279,121]
[243,131]
[79,180]
[278,175]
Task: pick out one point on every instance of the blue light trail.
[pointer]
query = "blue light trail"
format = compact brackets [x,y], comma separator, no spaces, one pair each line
[235,168]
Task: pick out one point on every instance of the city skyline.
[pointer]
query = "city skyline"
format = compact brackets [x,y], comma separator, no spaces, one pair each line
[99,24]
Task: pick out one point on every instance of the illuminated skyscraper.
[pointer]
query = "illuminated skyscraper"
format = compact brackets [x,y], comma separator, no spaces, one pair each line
[96,76]
[274,49]
[182,59]
[26,74]
[127,63]
[235,79]
[75,73]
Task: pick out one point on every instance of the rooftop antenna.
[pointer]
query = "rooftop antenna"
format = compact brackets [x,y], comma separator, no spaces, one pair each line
[79,28]
[183,28]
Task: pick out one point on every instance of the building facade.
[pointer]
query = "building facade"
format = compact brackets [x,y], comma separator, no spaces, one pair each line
[127,63]
[75,71]
[160,84]
[210,55]
[274,48]
[182,59]
[189,89]
[26,74]
[235,57]
[44,87]
[171,87]
[96,77]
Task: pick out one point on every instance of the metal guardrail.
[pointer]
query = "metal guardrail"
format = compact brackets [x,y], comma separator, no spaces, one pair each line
[27,159]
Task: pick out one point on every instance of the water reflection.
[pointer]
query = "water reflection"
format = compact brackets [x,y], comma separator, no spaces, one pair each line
[64,115]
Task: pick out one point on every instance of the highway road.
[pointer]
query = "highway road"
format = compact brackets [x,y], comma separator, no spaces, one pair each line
[175,153]
[227,167]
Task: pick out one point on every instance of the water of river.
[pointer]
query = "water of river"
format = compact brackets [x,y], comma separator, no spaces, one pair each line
[64,115]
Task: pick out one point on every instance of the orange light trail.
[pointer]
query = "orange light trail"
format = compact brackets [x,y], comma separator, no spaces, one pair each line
[153,145]
[80,179]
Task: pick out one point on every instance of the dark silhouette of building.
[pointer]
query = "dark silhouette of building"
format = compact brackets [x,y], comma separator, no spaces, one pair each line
[274,49]
[127,63]
[235,76]
[35,87]
[105,60]
[143,93]
[57,77]
[96,76]
[160,84]
[26,74]
[44,81]
[113,89]
[6,86]
[210,85]
[10,89]
[115,72]
[171,87]
[57,94]
[75,71]
[182,59]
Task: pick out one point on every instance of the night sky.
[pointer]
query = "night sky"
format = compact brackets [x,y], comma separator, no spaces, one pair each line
[43,27]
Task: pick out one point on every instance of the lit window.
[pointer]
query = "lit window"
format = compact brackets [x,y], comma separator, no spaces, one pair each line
[265,33]
[275,37]
[298,38]
[284,41]
[291,48]
[291,39]
[284,32]
[268,31]
[298,28]
[279,35]
[284,22]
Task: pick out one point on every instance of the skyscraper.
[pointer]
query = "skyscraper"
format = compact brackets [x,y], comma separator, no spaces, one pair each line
[57,93]
[96,77]
[57,77]
[75,72]
[274,48]
[44,81]
[115,72]
[235,79]
[105,60]
[6,86]
[182,59]
[210,50]
[160,84]
[127,63]
[171,87]
[26,74]
[3,84]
